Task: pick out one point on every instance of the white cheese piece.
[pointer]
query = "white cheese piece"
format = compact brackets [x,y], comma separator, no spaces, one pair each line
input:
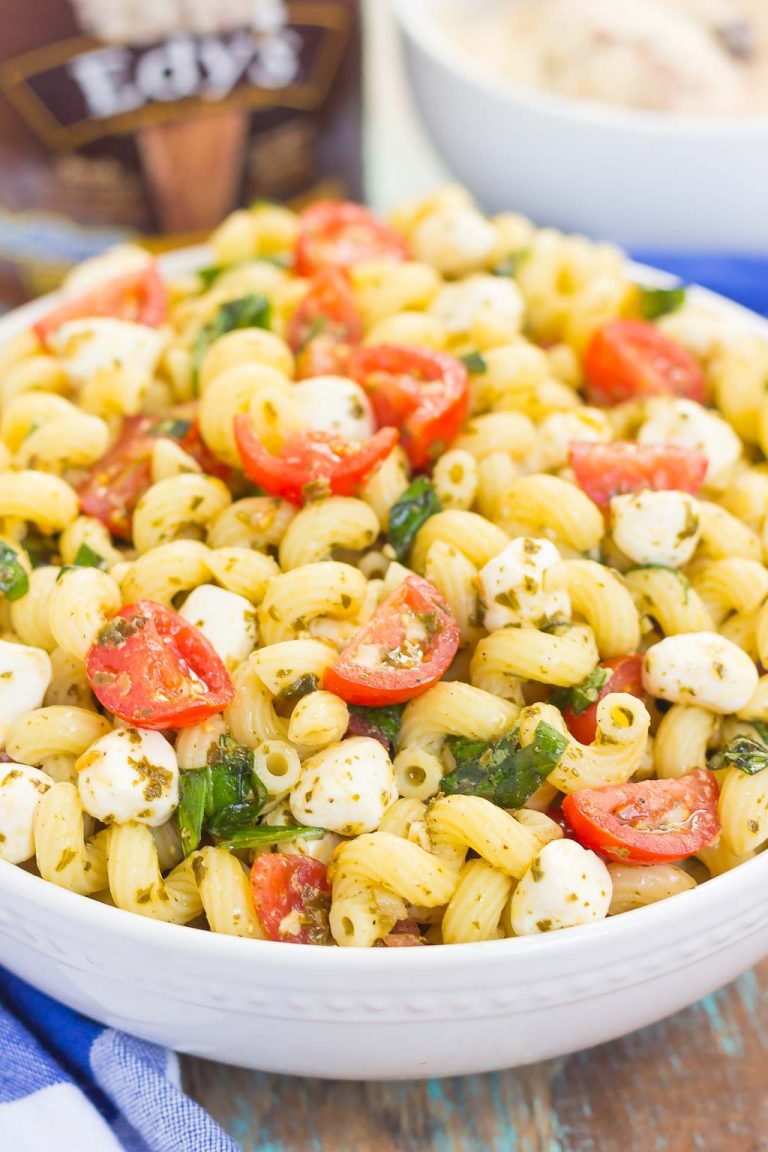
[702,668]
[335,404]
[21,786]
[88,346]
[346,788]
[690,425]
[565,886]
[226,619]
[25,674]
[457,306]
[455,241]
[656,527]
[512,585]
[129,774]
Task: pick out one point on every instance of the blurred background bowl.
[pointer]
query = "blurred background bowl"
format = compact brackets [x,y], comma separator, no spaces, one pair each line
[638,178]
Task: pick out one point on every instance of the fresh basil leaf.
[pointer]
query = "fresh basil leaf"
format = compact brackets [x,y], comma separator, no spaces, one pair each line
[581,696]
[40,549]
[252,311]
[300,688]
[509,265]
[232,778]
[234,817]
[382,724]
[14,582]
[742,753]
[174,428]
[409,513]
[657,302]
[474,363]
[264,834]
[208,276]
[190,814]
[501,771]
[761,730]
[87,558]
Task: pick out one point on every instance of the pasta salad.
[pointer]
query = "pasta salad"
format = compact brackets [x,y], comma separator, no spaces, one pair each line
[382,583]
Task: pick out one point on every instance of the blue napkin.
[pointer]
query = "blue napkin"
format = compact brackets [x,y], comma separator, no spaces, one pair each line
[73,1085]
[742,278]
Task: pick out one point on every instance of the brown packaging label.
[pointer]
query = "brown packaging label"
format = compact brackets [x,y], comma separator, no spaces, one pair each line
[126,117]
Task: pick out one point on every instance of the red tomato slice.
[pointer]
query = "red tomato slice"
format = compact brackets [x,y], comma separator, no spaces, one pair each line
[630,358]
[425,394]
[606,470]
[311,465]
[115,484]
[323,356]
[402,651]
[151,668]
[626,675]
[328,310]
[652,822]
[138,296]
[342,234]
[292,897]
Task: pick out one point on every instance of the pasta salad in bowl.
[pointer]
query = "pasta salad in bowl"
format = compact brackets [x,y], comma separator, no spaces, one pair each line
[381,585]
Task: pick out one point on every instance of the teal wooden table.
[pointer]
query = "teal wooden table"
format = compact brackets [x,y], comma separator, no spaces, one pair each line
[697,1082]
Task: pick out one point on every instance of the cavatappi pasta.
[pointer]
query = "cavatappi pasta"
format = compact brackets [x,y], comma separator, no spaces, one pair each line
[336,585]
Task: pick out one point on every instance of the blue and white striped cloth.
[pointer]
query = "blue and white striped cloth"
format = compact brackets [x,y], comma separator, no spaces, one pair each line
[69,1085]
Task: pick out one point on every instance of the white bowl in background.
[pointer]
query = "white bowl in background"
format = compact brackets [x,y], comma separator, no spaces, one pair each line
[637,178]
[365,1014]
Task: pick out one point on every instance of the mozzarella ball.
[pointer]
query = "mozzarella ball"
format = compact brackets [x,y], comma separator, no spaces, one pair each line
[227,620]
[20,789]
[656,527]
[335,404]
[702,668]
[559,429]
[455,241]
[346,788]
[86,347]
[494,299]
[566,885]
[129,774]
[25,674]
[118,261]
[511,585]
[691,425]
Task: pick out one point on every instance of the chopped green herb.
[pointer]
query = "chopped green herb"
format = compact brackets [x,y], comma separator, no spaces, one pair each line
[747,755]
[174,428]
[382,724]
[657,302]
[226,785]
[474,363]
[208,276]
[299,688]
[581,696]
[87,558]
[190,814]
[41,549]
[501,771]
[509,265]
[251,311]
[14,582]
[263,834]
[408,514]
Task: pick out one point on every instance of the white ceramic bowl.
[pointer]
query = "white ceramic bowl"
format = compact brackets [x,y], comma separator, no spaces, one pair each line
[636,178]
[380,1013]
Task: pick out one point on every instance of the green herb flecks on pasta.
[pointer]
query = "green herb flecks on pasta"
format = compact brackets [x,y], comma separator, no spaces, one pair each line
[14,582]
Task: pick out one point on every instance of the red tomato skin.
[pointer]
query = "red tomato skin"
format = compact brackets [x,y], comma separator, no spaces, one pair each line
[323,356]
[595,817]
[156,670]
[358,683]
[310,458]
[607,470]
[626,676]
[340,233]
[282,884]
[328,309]
[425,394]
[630,358]
[138,296]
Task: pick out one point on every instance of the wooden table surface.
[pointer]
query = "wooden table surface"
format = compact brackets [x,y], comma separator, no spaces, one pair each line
[697,1082]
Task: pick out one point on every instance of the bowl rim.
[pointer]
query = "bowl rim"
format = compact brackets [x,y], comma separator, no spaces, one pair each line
[417,21]
[93,915]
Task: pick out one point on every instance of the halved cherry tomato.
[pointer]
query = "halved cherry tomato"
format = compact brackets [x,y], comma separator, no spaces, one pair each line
[340,233]
[630,358]
[152,668]
[626,675]
[139,296]
[115,484]
[311,465]
[328,309]
[292,897]
[402,651]
[323,356]
[606,470]
[652,822]
[425,394]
